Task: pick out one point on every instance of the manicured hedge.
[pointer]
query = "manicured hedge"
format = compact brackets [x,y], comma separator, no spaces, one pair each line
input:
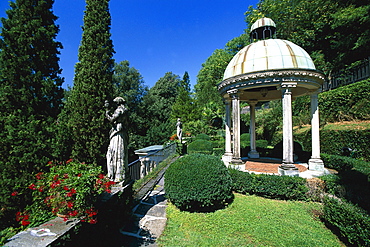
[198,182]
[351,221]
[269,186]
[200,146]
[203,137]
[346,103]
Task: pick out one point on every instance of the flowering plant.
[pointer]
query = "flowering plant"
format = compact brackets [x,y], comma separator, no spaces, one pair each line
[69,189]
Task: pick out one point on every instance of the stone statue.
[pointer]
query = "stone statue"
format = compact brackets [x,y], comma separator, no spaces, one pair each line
[117,150]
[179,129]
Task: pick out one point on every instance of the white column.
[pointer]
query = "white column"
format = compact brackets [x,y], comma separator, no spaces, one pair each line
[315,163]
[236,126]
[287,167]
[227,157]
[253,152]
[228,151]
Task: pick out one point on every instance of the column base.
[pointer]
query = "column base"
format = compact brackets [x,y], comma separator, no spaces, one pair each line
[253,155]
[316,164]
[236,161]
[288,170]
[226,158]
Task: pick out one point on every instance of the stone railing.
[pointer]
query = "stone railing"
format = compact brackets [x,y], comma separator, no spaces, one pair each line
[149,158]
[358,73]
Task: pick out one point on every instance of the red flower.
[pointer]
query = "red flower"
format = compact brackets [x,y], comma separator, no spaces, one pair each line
[39,175]
[56,177]
[79,175]
[93,221]
[101,176]
[32,187]
[41,189]
[15,193]
[69,194]
[73,213]
[68,161]
[66,176]
[25,223]
[73,191]
[108,191]
[65,188]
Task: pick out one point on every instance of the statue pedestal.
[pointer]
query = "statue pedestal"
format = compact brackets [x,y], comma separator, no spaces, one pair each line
[288,170]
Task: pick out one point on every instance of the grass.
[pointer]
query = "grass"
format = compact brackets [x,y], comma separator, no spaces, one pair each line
[249,221]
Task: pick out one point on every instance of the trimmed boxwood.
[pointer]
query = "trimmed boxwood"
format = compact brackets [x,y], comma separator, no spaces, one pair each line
[350,221]
[198,182]
[269,186]
[200,146]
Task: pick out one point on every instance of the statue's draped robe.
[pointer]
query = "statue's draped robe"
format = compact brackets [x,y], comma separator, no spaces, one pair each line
[116,157]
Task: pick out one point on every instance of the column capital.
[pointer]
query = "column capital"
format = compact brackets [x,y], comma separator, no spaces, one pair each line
[233,93]
[287,85]
[252,102]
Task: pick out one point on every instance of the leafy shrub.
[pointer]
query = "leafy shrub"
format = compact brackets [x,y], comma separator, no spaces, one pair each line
[200,146]
[198,182]
[337,162]
[351,221]
[261,143]
[269,186]
[245,140]
[333,185]
[203,137]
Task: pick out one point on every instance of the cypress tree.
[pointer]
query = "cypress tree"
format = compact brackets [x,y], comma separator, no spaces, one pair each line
[92,85]
[30,97]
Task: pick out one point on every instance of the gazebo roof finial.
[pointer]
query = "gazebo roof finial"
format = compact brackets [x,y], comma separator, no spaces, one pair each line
[264,28]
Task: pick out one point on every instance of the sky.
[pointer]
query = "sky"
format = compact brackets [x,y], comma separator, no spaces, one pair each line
[155,36]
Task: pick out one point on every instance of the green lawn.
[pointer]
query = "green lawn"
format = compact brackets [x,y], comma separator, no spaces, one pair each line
[249,221]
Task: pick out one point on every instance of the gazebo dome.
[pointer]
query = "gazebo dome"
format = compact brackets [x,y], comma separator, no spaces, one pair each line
[270,54]
[263,22]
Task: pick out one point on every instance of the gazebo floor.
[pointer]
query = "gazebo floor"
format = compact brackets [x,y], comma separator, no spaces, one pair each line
[269,165]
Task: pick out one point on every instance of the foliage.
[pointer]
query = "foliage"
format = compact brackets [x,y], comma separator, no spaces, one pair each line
[92,86]
[337,162]
[198,182]
[69,189]
[337,37]
[129,84]
[351,221]
[269,186]
[245,139]
[158,106]
[249,221]
[203,136]
[200,146]
[346,103]
[183,106]
[333,185]
[30,98]
[269,121]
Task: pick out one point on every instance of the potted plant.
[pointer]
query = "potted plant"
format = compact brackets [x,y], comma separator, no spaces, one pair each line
[69,189]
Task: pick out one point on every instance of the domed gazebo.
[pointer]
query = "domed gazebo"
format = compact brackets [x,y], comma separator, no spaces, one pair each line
[270,69]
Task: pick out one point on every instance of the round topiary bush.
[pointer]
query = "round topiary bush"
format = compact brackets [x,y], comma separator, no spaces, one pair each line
[203,137]
[198,182]
[200,146]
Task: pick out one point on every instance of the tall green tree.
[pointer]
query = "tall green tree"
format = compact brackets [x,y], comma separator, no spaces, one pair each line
[184,104]
[30,97]
[129,84]
[93,84]
[158,106]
